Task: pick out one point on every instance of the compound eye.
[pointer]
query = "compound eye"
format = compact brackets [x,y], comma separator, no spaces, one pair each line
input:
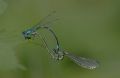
[27,33]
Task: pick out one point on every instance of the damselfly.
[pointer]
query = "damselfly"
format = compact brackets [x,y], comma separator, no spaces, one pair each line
[55,50]
[45,22]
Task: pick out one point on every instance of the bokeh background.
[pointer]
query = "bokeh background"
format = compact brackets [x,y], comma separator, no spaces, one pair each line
[89,28]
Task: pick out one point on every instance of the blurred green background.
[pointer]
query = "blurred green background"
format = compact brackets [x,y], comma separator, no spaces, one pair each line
[89,28]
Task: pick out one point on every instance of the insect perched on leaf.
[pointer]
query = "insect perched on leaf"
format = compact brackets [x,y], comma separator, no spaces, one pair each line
[50,40]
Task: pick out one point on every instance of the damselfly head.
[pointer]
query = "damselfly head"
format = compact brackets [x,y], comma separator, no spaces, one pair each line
[27,34]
